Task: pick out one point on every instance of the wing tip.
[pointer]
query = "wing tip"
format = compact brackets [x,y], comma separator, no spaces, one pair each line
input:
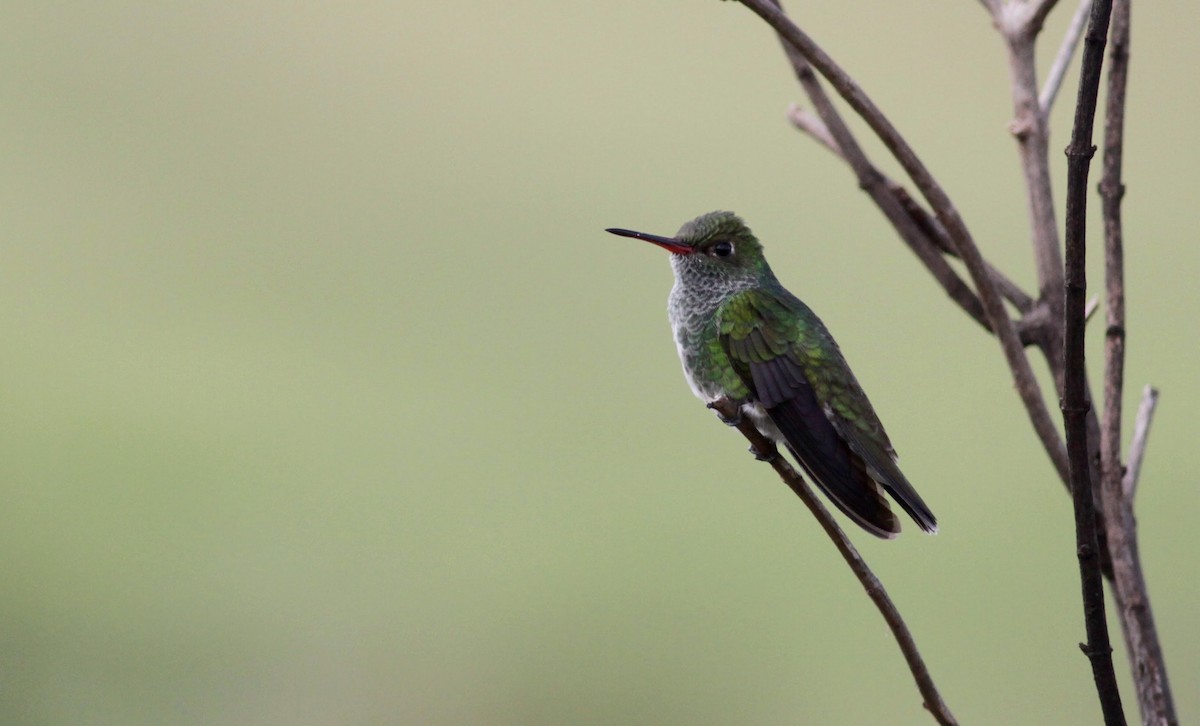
[883,534]
[929,527]
[884,524]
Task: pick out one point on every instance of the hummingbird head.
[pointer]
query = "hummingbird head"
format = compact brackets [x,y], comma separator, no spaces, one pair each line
[711,247]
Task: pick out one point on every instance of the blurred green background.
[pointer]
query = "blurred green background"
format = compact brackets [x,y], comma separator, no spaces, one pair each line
[327,401]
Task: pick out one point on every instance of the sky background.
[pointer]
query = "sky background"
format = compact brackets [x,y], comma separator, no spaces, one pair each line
[328,401]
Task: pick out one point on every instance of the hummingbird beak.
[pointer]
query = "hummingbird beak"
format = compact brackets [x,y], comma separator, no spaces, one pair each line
[669,244]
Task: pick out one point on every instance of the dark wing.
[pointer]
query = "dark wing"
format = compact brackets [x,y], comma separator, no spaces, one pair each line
[786,357]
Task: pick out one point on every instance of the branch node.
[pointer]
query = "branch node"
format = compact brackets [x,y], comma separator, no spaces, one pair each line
[1093,652]
[1080,151]
[1113,192]
[1021,128]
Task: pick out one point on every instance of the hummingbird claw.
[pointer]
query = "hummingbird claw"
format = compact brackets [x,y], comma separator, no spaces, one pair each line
[734,421]
[768,456]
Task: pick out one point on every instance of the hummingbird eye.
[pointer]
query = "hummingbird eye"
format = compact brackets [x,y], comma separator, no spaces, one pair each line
[722,248]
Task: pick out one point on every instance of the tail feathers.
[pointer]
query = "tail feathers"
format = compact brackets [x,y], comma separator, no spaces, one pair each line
[880,464]
[908,499]
[832,466]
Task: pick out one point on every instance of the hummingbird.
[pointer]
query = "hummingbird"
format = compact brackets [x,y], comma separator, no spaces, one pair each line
[742,336]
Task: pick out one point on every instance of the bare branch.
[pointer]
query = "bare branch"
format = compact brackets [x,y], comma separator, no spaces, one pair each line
[1029,129]
[1142,645]
[1111,192]
[1155,702]
[1137,445]
[1075,403]
[1009,289]
[1010,343]
[1066,51]
[815,127]
[765,450]
[1019,24]
[875,185]
[1055,322]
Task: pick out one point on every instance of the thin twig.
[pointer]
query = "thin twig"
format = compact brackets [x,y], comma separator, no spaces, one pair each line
[1010,343]
[874,184]
[1112,190]
[813,126]
[766,450]
[1146,660]
[1137,445]
[1093,304]
[1058,70]
[1075,403]
[1144,650]
[1011,291]
[1029,129]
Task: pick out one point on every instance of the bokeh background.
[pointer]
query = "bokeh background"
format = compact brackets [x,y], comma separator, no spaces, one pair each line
[327,401]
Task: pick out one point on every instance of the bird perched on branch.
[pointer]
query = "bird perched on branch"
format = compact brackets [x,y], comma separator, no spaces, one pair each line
[742,336]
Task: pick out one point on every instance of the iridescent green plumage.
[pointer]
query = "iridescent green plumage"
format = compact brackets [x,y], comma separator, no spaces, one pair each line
[742,336]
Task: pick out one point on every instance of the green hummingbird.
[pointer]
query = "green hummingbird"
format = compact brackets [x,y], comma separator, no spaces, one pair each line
[741,335]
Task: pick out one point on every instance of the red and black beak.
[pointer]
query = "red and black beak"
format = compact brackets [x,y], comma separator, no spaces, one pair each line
[669,244]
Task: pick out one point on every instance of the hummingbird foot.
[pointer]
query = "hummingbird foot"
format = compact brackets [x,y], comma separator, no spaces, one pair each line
[768,456]
[722,407]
